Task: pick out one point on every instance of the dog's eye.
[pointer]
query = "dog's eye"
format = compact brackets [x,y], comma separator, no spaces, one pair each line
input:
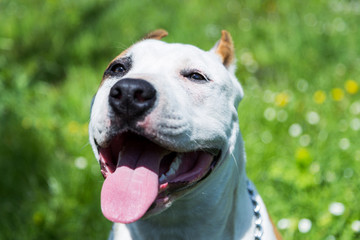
[118,68]
[196,77]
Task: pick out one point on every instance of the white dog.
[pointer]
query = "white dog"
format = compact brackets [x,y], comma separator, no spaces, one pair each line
[164,128]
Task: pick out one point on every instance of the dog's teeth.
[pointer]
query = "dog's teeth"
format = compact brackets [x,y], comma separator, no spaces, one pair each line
[162,178]
[119,158]
[177,163]
[174,166]
[170,172]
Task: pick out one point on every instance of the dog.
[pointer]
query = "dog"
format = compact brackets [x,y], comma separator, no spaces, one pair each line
[164,129]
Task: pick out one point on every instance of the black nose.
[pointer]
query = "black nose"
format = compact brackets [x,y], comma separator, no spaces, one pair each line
[132,98]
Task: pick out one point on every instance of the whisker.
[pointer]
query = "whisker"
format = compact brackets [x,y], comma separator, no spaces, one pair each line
[236,164]
[84,146]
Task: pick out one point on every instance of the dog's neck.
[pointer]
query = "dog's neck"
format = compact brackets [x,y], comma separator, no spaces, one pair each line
[220,199]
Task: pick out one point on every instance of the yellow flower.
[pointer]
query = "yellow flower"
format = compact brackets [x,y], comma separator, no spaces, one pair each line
[73,127]
[302,154]
[351,86]
[76,128]
[85,129]
[319,97]
[337,94]
[303,157]
[282,99]
[38,218]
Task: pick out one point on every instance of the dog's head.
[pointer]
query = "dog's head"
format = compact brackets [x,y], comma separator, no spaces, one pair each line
[163,118]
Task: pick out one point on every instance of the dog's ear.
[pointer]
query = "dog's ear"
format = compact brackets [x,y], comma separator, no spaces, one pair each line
[156,34]
[225,49]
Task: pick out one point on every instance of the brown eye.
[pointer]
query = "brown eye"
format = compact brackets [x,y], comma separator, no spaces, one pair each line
[118,68]
[196,77]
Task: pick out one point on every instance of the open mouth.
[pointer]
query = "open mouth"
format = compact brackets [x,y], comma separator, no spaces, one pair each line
[140,174]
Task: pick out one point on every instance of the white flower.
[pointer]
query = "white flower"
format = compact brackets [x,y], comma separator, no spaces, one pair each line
[355,226]
[283,223]
[54,185]
[344,143]
[270,114]
[337,208]
[355,124]
[302,85]
[282,116]
[304,225]
[269,96]
[330,237]
[339,24]
[266,137]
[295,130]
[343,125]
[315,167]
[313,118]
[357,155]
[355,108]
[305,140]
[330,176]
[348,172]
[81,163]
[247,59]
[323,135]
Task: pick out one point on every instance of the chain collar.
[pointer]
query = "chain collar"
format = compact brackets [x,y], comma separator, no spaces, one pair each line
[256,209]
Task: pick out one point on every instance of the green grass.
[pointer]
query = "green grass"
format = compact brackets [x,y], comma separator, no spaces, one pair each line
[295,60]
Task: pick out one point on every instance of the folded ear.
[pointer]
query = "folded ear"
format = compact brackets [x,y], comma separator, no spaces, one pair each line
[157,34]
[225,49]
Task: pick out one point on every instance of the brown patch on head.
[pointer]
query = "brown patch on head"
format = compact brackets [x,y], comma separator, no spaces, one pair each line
[121,55]
[225,48]
[156,34]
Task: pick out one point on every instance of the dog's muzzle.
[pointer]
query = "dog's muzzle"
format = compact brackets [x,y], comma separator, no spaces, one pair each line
[132,98]
[142,175]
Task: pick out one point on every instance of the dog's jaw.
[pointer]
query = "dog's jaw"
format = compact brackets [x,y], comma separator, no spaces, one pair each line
[204,210]
[175,173]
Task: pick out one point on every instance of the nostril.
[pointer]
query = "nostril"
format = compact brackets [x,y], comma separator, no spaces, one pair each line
[139,96]
[116,93]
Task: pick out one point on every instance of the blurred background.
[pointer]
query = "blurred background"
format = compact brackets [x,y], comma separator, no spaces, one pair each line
[299,64]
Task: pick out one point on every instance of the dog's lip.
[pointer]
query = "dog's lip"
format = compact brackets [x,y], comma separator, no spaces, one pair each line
[182,182]
[167,189]
[108,167]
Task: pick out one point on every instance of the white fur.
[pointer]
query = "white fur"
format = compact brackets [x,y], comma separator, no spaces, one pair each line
[188,116]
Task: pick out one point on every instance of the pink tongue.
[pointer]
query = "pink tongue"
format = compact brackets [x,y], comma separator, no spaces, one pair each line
[128,193]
